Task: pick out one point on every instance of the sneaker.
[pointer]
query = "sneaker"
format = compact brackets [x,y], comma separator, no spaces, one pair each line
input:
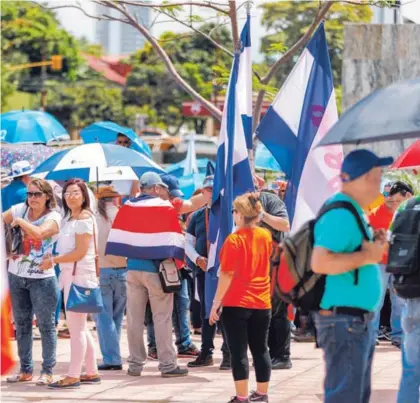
[175,373]
[306,337]
[44,380]
[234,399]
[191,351]
[152,353]
[90,379]
[65,383]
[201,361]
[109,367]
[225,364]
[281,363]
[256,397]
[133,372]
[21,377]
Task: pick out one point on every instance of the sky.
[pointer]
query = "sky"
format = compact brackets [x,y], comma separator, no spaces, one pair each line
[80,25]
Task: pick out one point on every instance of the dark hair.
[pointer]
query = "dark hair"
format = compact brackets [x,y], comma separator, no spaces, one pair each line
[83,188]
[101,206]
[402,188]
[46,188]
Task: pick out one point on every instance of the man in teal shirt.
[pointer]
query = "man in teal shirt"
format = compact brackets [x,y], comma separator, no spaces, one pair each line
[344,322]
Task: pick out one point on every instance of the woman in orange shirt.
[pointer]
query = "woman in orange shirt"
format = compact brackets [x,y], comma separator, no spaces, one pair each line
[244,293]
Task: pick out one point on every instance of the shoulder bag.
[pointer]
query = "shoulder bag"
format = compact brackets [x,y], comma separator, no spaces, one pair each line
[84,299]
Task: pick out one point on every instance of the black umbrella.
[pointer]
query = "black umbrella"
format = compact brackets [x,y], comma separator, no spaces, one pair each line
[389,113]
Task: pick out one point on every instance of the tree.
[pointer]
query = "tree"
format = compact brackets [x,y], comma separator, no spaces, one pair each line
[31,32]
[288,21]
[194,57]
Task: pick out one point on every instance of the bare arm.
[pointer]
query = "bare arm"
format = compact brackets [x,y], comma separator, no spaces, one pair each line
[225,280]
[327,262]
[277,223]
[135,188]
[7,217]
[46,230]
[193,204]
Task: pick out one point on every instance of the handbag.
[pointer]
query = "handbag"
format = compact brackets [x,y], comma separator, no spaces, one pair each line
[84,299]
[14,239]
[169,276]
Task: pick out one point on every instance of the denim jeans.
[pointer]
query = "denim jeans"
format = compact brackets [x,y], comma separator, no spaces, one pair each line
[113,284]
[348,344]
[396,308]
[179,320]
[410,381]
[35,296]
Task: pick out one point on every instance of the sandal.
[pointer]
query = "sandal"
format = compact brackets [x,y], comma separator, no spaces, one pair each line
[66,383]
[90,379]
[63,334]
[44,380]
[21,377]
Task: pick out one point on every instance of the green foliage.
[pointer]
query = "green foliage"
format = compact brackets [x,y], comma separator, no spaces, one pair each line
[405,176]
[195,58]
[287,21]
[30,33]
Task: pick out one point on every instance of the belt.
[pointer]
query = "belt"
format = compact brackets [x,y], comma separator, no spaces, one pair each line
[344,310]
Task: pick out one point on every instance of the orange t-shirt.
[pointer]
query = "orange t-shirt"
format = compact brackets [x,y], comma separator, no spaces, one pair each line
[247,253]
[381,218]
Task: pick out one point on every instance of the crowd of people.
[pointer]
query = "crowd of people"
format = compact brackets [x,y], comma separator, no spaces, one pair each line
[70,240]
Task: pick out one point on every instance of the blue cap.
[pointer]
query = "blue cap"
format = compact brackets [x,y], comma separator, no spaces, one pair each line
[360,162]
[171,182]
[150,178]
[208,181]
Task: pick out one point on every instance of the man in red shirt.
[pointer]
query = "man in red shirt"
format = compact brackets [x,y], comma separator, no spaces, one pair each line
[381,218]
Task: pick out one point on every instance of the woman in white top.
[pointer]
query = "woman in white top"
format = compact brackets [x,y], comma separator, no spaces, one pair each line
[113,279]
[32,289]
[76,244]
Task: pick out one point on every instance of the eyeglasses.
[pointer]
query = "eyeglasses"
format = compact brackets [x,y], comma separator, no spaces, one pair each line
[37,195]
[72,194]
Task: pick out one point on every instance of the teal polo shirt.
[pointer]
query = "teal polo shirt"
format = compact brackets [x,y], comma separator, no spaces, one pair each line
[141,265]
[339,232]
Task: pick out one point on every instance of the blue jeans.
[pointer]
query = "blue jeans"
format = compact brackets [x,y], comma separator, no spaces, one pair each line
[113,284]
[179,320]
[348,344]
[410,381]
[35,296]
[396,308]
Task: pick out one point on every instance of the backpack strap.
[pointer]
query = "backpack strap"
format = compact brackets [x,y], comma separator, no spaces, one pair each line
[350,207]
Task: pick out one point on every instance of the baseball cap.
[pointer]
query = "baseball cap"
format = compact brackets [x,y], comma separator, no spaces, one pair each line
[171,182]
[360,162]
[21,168]
[208,181]
[149,179]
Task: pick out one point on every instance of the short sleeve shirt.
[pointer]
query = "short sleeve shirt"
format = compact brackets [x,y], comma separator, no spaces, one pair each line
[34,250]
[272,204]
[339,232]
[247,253]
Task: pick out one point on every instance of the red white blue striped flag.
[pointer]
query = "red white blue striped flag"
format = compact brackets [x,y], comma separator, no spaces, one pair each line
[147,227]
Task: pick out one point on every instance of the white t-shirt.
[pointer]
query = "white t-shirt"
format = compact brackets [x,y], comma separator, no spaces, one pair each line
[67,243]
[34,250]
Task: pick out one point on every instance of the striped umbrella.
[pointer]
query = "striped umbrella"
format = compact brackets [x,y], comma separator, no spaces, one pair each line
[96,162]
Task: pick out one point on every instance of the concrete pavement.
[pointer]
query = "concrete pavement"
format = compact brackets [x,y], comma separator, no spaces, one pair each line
[301,384]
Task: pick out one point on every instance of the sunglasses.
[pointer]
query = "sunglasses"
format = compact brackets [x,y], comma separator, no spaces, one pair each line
[123,142]
[37,195]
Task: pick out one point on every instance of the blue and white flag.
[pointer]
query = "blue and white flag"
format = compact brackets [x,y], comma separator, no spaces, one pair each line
[232,178]
[244,86]
[302,113]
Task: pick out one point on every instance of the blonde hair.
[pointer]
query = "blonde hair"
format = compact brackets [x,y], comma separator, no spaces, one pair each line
[249,205]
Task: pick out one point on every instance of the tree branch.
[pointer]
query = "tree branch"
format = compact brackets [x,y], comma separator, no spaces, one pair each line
[165,58]
[68,6]
[287,56]
[206,4]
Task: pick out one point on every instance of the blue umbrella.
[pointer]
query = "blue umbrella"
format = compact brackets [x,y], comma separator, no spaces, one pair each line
[265,160]
[31,127]
[190,183]
[390,113]
[106,132]
[96,162]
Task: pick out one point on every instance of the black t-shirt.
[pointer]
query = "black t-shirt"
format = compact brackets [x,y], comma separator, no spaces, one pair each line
[272,204]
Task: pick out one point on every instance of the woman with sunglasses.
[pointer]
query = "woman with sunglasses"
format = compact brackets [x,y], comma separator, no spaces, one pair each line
[34,290]
[77,250]
[244,292]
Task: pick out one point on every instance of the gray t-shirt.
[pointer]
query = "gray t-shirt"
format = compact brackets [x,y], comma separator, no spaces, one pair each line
[272,204]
